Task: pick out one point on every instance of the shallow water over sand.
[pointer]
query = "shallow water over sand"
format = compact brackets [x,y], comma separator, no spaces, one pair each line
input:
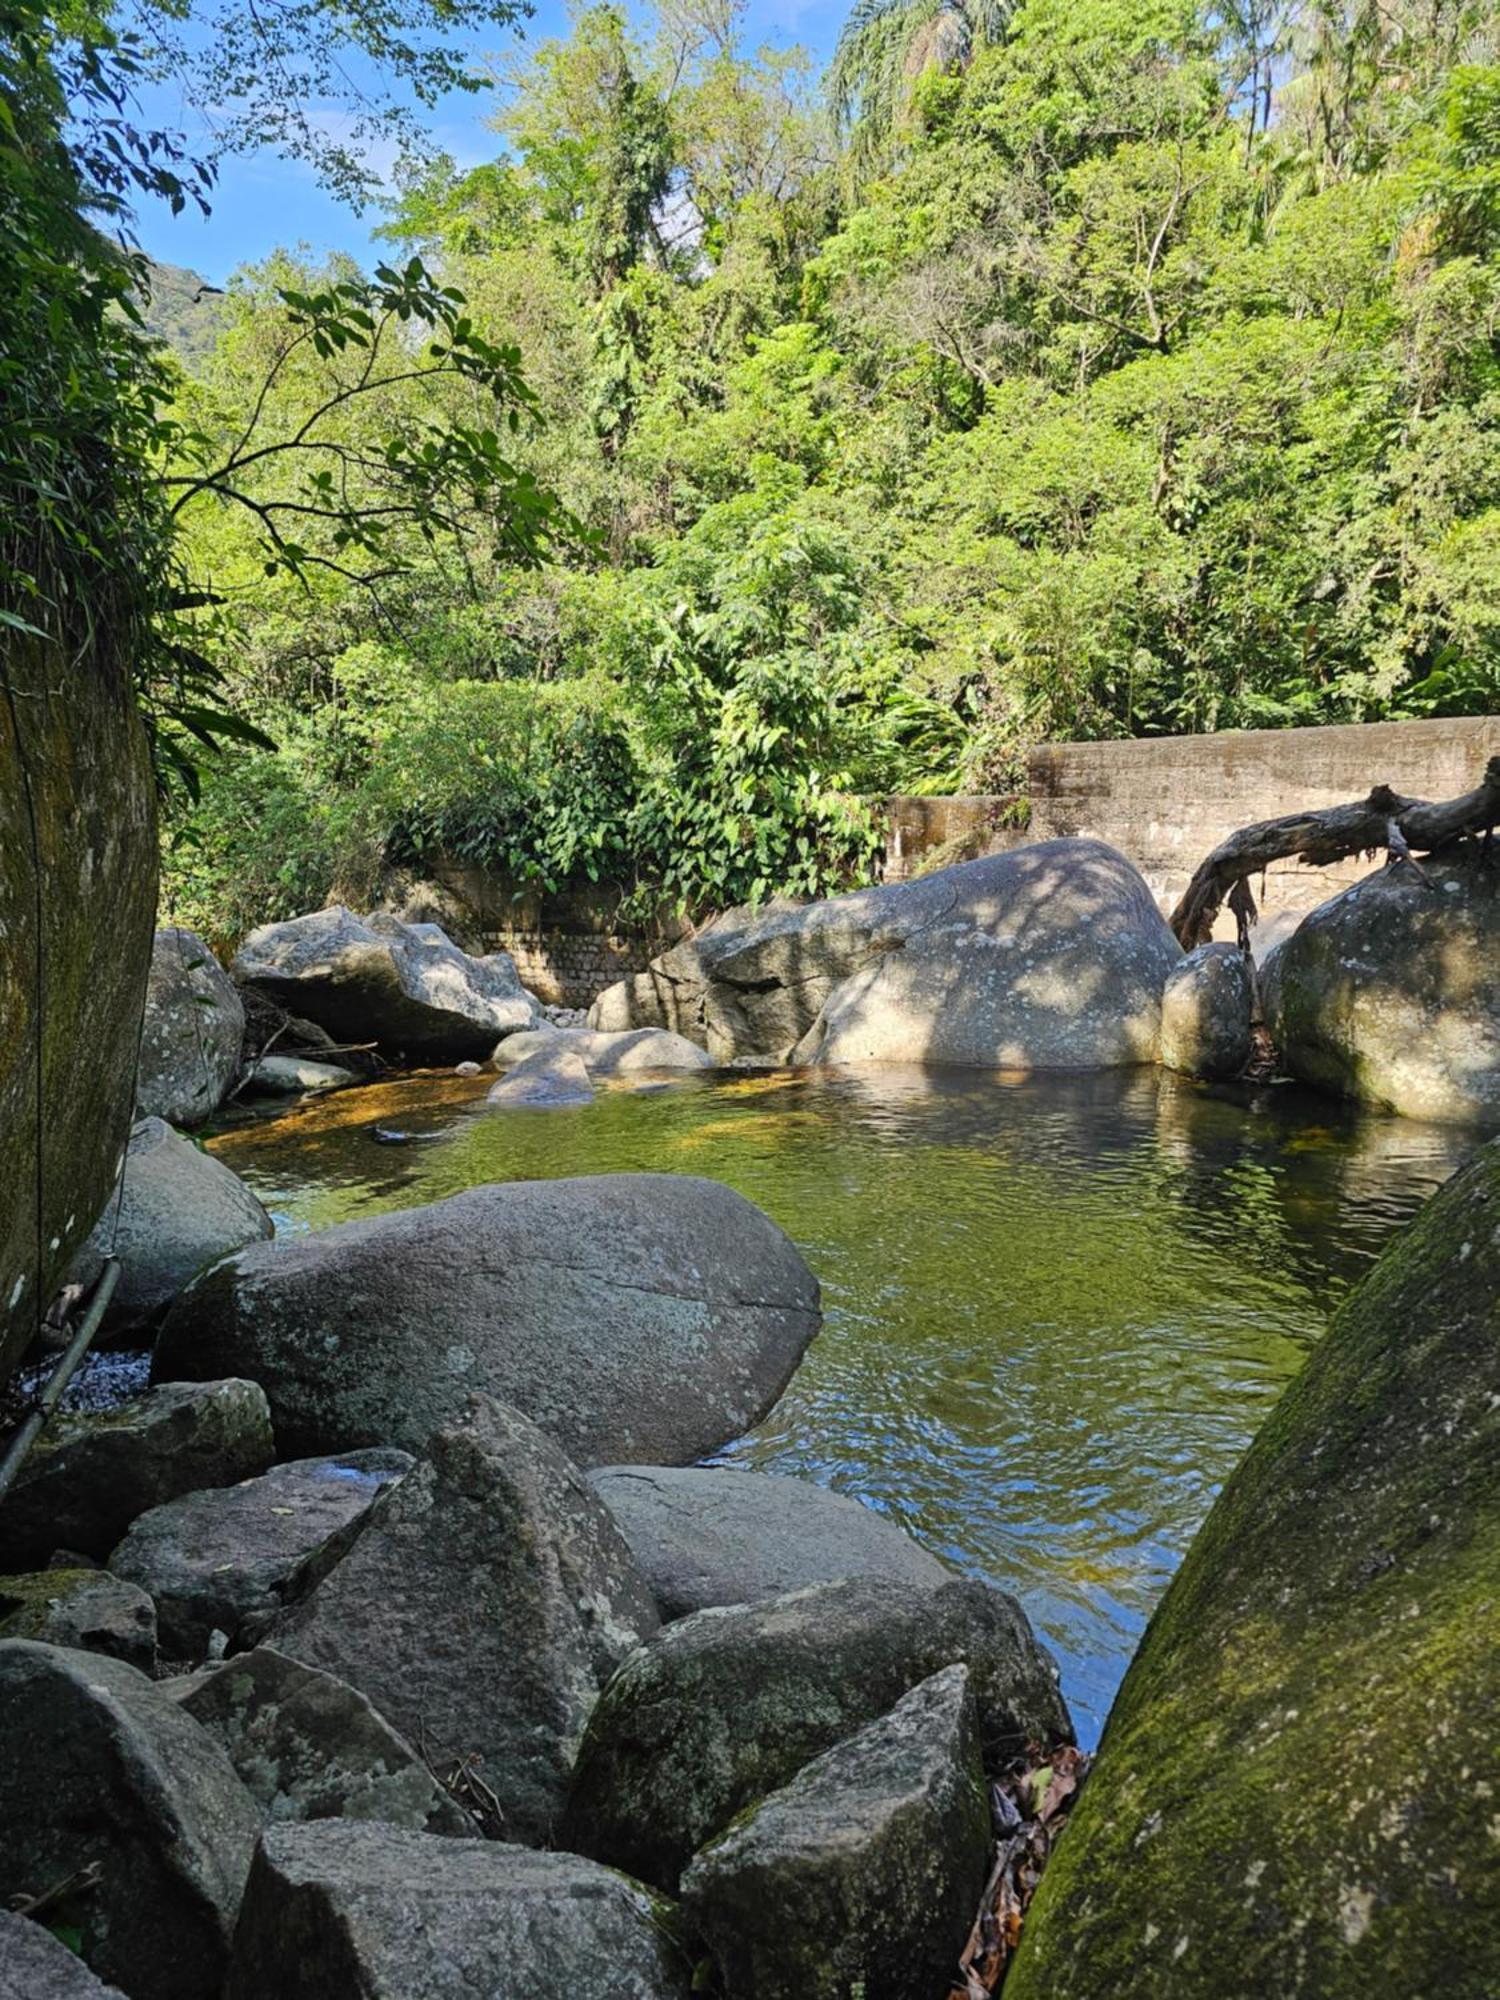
[1056,1309]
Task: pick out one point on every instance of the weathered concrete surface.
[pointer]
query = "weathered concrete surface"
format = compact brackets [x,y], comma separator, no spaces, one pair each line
[1296,1793]
[193,1031]
[80,767]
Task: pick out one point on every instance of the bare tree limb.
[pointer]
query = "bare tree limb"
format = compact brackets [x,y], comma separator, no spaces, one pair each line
[1384,820]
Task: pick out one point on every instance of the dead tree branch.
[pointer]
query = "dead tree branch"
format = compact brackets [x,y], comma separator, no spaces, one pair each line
[1385,820]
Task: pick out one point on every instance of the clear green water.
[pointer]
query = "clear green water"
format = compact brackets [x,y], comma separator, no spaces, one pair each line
[1056,1309]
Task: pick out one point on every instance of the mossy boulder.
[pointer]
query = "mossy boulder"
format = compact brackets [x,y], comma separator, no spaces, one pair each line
[1297,1793]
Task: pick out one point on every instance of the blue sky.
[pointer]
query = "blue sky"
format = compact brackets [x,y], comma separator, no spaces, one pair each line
[263,202]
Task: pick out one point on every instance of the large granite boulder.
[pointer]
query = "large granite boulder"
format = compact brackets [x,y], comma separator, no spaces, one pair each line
[481,1607]
[864,1873]
[728,1705]
[631,1316]
[227,1559]
[193,1031]
[1296,1791]
[308,1746]
[704,1535]
[546,1080]
[1206,1008]
[89,1475]
[34,1965]
[406,986]
[1390,993]
[389,1915]
[634,1052]
[179,1211]
[1051,956]
[87,1609]
[101,1771]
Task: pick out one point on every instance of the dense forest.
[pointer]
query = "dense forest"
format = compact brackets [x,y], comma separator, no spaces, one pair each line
[742,443]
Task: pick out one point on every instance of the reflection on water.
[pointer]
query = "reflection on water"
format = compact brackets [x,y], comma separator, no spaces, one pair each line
[1056,1309]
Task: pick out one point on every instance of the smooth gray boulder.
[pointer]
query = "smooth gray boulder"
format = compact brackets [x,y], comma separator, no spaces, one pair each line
[630,1053]
[389,1915]
[705,1535]
[864,1874]
[728,1705]
[1206,1007]
[481,1607]
[406,986]
[634,1317]
[292,1076]
[546,1080]
[87,1609]
[308,1746]
[228,1558]
[180,1211]
[1390,992]
[193,1032]
[34,1965]
[100,1769]
[89,1475]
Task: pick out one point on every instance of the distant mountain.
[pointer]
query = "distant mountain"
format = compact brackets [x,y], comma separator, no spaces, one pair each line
[185,311]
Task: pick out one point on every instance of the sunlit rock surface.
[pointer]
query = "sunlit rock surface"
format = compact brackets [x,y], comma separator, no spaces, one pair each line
[192,1033]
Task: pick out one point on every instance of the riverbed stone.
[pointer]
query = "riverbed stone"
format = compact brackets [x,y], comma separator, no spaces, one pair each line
[99,1767]
[1389,993]
[1206,1007]
[634,1317]
[193,1031]
[728,1705]
[292,1076]
[89,1475]
[180,1210]
[406,986]
[625,1054]
[864,1873]
[706,1535]
[546,1080]
[481,1607]
[392,1915]
[307,1746]
[1296,1791]
[34,1965]
[87,1609]
[227,1559]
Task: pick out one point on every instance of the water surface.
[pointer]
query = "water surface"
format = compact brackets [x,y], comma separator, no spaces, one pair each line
[1055,1309]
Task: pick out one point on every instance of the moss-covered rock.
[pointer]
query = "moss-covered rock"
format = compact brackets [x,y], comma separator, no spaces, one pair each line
[1298,1790]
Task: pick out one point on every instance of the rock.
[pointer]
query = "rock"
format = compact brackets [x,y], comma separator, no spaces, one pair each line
[467,1069]
[87,1609]
[194,1029]
[1050,956]
[704,1535]
[99,1768]
[181,1210]
[638,1049]
[632,1316]
[34,1965]
[308,1746]
[1295,1793]
[864,1874]
[391,1915]
[226,1559]
[728,1705]
[1389,992]
[286,1076]
[481,1608]
[405,986]
[1206,1006]
[544,1082]
[87,1477]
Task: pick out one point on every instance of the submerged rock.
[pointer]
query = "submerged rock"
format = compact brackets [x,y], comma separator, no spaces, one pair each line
[546,1080]
[631,1316]
[1390,993]
[289,1076]
[864,1873]
[390,1915]
[88,1476]
[193,1031]
[728,1705]
[100,1770]
[1051,956]
[1206,1007]
[227,1559]
[406,986]
[87,1609]
[481,1607]
[1296,1790]
[626,1054]
[705,1535]
[34,1965]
